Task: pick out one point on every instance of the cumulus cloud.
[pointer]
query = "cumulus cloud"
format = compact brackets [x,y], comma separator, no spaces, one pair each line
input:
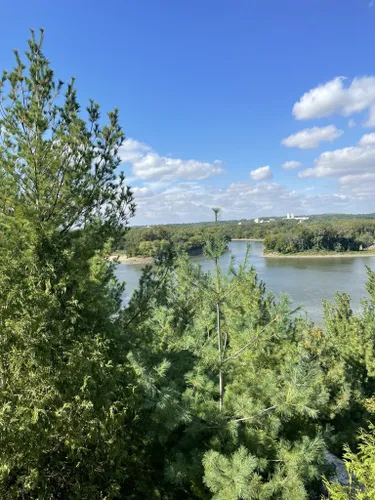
[310,138]
[352,123]
[192,202]
[132,150]
[371,118]
[359,186]
[150,166]
[342,162]
[142,192]
[354,160]
[261,173]
[290,165]
[334,97]
[153,166]
[367,140]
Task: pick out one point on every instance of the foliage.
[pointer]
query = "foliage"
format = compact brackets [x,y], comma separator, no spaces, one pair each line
[242,392]
[156,240]
[283,236]
[340,236]
[64,396]
[203,386]
[361,471]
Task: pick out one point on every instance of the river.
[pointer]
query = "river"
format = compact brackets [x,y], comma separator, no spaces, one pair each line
[307,281]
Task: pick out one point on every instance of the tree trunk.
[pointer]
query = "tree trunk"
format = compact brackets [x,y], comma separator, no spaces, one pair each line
[221,381]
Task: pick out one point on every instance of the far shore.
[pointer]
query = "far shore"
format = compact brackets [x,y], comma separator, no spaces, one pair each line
[123,259]
[320,255]
[246,239]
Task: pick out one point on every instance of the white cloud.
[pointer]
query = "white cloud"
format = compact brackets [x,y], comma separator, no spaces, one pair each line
[261,173]
[342,162]
[142,192]
[310,138]
[360,186]
[333,97]
[367,140]
[150,166]
[192,202]
[289,165]
[355,160]
[352,123]
[371,118]
[132,150]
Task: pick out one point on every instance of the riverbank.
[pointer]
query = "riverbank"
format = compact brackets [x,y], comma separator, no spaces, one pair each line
[246,239]
[123,259]
[319,255]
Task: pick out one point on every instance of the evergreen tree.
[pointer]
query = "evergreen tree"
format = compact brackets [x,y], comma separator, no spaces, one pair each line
[361,471]
[203,386]
[66,385]
[236,412]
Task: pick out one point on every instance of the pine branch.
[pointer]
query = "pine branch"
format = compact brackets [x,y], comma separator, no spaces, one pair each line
[240,351]
[256,415]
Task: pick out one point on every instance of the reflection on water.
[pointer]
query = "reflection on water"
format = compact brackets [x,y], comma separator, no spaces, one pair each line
[307,281]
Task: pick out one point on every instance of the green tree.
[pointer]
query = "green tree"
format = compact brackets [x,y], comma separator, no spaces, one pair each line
[244,396]
[66,385]
[361,471]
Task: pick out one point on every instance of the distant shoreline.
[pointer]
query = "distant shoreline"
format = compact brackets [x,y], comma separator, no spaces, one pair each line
[123,259]
[318,255]
[246,239]
[138,260]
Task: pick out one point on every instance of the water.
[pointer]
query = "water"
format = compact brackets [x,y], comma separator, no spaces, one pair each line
[307,281]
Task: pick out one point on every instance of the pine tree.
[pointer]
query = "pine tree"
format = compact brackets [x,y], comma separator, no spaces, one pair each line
[240,395]
[67,403]
[361,471]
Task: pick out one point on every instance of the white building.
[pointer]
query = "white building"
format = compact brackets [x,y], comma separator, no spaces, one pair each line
[292,217]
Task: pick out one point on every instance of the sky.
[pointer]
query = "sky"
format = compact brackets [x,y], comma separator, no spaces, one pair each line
[260,107]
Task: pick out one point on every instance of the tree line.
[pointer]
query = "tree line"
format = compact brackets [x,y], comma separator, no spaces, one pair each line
[282,236]
[203,386]
[191,238]
[338,236]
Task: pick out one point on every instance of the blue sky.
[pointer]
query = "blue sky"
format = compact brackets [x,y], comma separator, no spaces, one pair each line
[215,96]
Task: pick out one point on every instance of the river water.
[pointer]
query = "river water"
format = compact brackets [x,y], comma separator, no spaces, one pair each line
[307,281]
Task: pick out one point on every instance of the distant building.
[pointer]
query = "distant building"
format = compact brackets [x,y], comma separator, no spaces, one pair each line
[299,219]
[262,221]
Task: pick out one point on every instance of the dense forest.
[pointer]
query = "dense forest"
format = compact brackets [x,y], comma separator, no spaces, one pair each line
[339,236]
[190,238]
[202,387]
[156,240]
[282,236]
